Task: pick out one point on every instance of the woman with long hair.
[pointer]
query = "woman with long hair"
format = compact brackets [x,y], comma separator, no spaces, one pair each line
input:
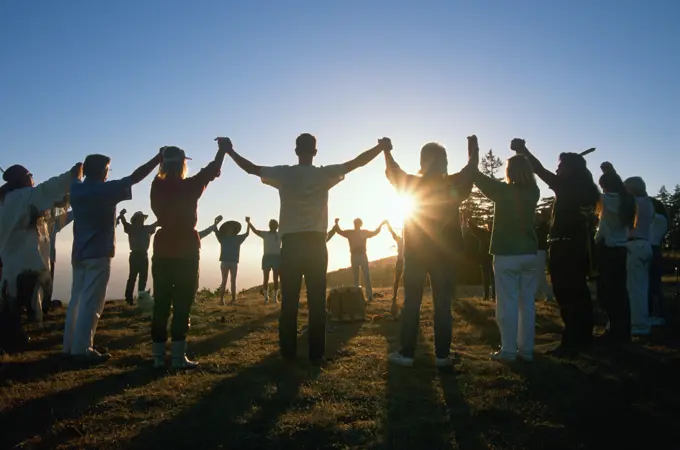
[570,259]
[431,235]
[616,213]
[513,246]
[176,249]
[639,257]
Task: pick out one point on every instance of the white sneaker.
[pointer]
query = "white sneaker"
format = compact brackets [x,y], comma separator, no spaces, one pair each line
[503,357]
[399,359]
[443,363]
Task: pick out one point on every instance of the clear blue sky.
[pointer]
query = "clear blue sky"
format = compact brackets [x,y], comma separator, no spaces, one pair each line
[124,78]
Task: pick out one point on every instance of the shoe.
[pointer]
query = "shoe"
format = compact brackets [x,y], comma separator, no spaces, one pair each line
[503,356]
[641,331]
[158,353]
[92,355]
[399,359]
[266,298]
[443,363]
[526,357]
[179,356]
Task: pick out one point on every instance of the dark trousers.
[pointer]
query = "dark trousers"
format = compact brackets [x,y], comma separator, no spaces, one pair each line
[569,266]
[175,281]
[655,283]
[416,270]
[303,254]
[12,334]
[488,278]
[612,291]
[139,265]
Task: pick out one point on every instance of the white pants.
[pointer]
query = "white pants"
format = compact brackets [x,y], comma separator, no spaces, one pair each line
[543,290]
[360,262]
[88,294]
[637,271]
[516,278]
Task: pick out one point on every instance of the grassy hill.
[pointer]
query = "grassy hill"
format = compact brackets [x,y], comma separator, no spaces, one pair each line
[244,397]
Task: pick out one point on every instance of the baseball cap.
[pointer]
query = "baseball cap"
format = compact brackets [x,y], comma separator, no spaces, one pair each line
[16,172]
[174,154]
[139,213]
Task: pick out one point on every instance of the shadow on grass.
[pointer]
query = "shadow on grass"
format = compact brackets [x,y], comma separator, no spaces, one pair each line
[34,417]
[482,320]
[240,411]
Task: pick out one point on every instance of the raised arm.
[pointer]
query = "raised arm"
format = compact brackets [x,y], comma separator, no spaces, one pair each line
[240,161]
[395,236]
[330,234]
[488,186]
[62,220]
[339,230]
[376,232]
[144,170]
[47,193]
[368,156]
[254,230]
[207,231]
[549,178]
[123,220]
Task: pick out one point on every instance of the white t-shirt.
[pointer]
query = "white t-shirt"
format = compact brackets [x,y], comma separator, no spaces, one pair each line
[272,242]
[610,228]
[303,191]
[643,218]
[659,230]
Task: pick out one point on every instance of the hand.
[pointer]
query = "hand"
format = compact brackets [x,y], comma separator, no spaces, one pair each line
[248,220]
[337,221]
[224,144]
[518,145]
[123,212]
[385,143]
[77,171]
[473,147]
[607,167]
[218,219]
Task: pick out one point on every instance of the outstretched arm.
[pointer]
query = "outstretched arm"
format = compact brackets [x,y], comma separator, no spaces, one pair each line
[144,170]
[330,234]
[549,178]
[391,230]
[376,232]
[240,161]
[254,230]
[368,156]
[206,232]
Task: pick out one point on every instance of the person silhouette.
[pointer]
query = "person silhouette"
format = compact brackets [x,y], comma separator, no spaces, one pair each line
[303,223]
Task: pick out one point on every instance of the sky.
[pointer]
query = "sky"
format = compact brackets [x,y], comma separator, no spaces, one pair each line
[127,77]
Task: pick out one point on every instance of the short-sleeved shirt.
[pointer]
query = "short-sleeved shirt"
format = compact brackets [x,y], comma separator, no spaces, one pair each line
[174,202]
[139,236]
[272,242]
[230,250]
[94,216]
[357,240]
[303,191]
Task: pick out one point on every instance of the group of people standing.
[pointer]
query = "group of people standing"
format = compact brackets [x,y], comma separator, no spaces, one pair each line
[620,252]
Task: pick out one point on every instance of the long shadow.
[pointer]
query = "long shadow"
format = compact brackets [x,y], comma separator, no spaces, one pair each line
[412,401]
[484,322]
[28,371]
[35,416]
[220,340]
[240,411]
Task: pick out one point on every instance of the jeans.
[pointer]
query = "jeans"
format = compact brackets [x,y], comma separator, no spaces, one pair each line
[612,293]
[488,281]
[360,263]
[516,278]
[637,268]
[655,284]
[303,254]
[542,288]
[416,269]
[569,265]
[139,265]
[175,282]
[88,294]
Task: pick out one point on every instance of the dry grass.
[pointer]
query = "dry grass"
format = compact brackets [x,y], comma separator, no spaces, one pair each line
[244,397]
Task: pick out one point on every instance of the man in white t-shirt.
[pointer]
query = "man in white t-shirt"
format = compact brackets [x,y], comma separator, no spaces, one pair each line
[357,247]
[303,223]
[271,259]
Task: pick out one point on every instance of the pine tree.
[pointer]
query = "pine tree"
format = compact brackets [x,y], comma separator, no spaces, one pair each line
[477,206]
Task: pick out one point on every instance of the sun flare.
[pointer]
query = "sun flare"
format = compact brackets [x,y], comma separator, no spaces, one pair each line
[402,208]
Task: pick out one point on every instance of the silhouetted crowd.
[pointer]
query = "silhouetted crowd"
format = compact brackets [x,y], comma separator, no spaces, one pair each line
[612,234]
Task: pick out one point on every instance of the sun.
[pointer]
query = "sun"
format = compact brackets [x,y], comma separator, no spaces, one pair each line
[402,208]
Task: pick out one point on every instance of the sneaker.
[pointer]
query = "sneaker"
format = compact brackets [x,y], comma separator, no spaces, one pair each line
[92,355]
[503,356]
[443,363]
[266,298]
[399,359]
[642,331]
